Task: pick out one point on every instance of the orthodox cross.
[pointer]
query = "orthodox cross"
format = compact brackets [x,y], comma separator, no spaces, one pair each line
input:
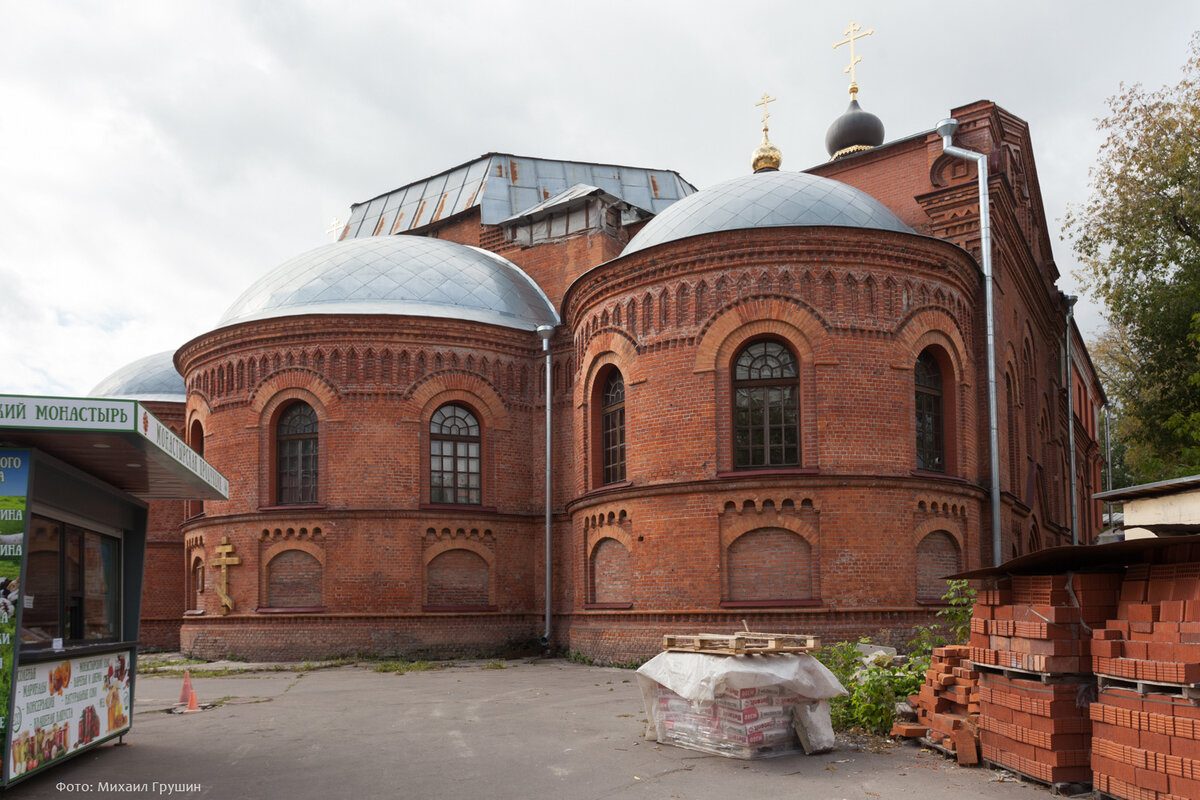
[851,34]
[766,98]
[334,228]
[225,559]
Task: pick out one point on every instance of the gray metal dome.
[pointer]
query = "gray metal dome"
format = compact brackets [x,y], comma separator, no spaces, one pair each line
[403,275]
[766,200]
[150,378]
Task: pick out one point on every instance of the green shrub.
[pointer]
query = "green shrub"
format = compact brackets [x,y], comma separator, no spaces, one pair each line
[876,686]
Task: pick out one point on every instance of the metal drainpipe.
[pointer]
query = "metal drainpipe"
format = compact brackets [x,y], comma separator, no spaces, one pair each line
[946,129]
[1071,420]
[1107,465]
[546,331]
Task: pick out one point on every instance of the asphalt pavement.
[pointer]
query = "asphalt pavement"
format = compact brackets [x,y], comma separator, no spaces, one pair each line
[514,730]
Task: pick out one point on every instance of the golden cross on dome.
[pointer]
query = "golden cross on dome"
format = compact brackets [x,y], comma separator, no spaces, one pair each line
[851,34]
[766,98]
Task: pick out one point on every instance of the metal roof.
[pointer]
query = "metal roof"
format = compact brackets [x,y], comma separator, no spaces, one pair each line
[117,441]
[561,202]
[1085,557]
[1183,484]
[150,378]
[767,200]
[503,185]
[403,275]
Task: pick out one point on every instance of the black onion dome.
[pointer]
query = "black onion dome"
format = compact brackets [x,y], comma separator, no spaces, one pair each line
[855,130]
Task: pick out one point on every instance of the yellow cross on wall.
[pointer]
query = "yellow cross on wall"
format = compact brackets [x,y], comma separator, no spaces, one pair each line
[225,559]
[851,34]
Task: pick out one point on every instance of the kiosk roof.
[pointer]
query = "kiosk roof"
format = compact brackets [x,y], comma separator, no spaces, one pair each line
[117,441]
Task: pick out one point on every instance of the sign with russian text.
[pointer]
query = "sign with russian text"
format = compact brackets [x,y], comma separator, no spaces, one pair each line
[14,502]
[67,413]
[62,707]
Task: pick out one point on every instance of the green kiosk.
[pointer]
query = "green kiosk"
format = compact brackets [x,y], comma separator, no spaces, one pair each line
[75,476]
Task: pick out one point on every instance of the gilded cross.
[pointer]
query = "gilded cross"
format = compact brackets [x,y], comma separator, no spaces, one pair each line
[851,34]
[766,98]
[334,228]
[225,559]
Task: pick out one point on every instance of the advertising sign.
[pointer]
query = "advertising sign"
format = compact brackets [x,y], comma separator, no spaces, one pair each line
[63,706]
[14,492]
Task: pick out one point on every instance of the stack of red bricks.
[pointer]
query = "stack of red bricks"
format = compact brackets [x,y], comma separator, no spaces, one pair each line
[948,704]
[1156,634]
[1036,728]
[1041,623]
[1146,743]
[1146,746]
[1030,639]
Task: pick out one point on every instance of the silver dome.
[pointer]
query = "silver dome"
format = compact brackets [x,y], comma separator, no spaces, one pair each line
[147,379]
[404,275]
[767,200]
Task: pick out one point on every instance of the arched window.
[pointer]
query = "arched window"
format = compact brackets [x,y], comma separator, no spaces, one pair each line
[454,469]
[937,556]
[931,439]
[766,407]
[296,456]
[294,580]
[612,428]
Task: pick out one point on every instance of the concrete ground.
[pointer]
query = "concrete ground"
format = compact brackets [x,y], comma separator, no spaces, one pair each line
[530,730]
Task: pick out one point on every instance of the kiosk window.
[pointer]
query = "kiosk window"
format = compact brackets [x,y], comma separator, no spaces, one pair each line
[72,585]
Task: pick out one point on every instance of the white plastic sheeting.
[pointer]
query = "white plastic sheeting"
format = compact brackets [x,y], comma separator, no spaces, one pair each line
[784,681]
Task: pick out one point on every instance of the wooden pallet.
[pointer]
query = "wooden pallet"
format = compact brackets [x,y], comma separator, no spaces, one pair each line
[1187,691]
[738,644]
[1059,789]
[1030,675]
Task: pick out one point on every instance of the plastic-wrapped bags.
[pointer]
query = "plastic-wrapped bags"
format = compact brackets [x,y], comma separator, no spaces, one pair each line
[751,706]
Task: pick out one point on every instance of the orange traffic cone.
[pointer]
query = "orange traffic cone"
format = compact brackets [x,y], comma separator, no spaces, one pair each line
[193,705]
[187,687]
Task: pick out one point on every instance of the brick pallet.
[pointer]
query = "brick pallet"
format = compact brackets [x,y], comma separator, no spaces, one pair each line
[1030,642]
[1146,722]
[947,706]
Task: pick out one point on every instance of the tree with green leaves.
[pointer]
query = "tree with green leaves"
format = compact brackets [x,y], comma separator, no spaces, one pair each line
[1138,241]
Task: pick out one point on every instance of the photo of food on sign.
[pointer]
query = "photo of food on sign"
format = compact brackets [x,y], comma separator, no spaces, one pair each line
[64,705]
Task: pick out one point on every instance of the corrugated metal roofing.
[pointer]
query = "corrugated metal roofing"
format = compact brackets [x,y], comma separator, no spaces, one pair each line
[504,185]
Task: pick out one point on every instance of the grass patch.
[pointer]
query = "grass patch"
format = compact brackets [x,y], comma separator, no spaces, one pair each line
[401,667]
[495,665]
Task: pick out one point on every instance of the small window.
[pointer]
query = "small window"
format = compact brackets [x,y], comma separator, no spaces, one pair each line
[612,427]
[931,440]
[73,584]
[766,407]
[296,453]
[454,463]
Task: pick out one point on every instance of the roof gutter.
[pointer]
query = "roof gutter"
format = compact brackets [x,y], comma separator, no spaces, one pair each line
[946,129]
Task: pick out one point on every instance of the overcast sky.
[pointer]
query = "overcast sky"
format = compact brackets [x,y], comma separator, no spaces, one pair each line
[157,157]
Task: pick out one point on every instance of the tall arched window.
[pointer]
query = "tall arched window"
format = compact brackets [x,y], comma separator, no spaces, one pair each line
[766,407]
[296,456]
[454,468]
[612,428]
[931,439]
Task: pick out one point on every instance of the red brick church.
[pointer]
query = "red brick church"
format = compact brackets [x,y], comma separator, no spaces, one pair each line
[768,402]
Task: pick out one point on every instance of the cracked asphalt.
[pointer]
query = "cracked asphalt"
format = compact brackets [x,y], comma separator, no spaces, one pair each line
[534,729]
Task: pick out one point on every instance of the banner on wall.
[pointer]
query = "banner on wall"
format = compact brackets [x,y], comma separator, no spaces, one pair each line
[63,706]
[14,506]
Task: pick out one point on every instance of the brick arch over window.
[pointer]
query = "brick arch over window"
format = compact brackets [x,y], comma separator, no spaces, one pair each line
[938,555]
[610,572]
[803,336]
[294,580]
[769,565]
[269,416]
[458,577]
